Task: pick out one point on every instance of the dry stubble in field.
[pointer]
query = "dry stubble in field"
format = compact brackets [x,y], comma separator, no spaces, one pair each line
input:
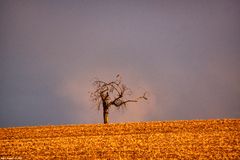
[200,139]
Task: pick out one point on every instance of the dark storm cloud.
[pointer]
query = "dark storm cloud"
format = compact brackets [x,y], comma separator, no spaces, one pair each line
[185,53]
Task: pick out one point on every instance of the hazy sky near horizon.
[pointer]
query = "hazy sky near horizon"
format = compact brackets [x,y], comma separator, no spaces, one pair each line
[186,54]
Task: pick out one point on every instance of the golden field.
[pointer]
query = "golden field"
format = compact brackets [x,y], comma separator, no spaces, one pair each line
[193,139]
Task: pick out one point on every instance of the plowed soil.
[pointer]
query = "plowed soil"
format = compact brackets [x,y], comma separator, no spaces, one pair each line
[193,139]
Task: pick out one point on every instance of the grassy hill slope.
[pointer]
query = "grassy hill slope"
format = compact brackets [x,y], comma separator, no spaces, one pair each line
[205,139]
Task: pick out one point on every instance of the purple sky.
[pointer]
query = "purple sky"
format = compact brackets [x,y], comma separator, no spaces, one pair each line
[185,53]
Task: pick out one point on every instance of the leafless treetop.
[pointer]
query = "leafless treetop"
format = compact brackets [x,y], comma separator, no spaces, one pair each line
[113,93]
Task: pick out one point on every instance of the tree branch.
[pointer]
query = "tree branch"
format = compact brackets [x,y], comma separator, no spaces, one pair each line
[112,93]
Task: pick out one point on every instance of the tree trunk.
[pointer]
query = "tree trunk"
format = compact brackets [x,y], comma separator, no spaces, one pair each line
[105,114]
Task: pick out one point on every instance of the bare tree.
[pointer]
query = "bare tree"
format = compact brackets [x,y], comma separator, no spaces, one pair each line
[113,93]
